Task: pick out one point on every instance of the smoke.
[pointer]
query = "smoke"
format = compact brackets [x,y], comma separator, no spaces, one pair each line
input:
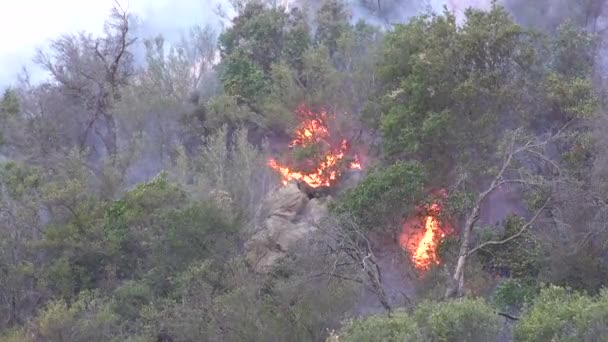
[387,12]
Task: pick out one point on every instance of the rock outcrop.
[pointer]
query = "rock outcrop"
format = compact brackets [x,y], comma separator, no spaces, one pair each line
[286,217]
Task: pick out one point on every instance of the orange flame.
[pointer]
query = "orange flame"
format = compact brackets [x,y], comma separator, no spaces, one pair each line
[423,245]
[312,130]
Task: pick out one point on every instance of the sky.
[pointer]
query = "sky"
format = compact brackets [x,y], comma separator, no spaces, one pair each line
[30,24]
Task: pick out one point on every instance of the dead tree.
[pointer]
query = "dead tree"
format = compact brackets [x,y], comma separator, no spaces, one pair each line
[91,71]
[350,247]
[507,174]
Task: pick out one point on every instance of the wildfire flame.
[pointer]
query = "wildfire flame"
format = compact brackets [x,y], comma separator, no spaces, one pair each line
[423,244]
[313,129]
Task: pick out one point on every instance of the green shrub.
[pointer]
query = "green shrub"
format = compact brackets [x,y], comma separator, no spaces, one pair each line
[130,298]
[383,194]
[513,294]
[457,320]
[88,319]
[558,314]
[399,327]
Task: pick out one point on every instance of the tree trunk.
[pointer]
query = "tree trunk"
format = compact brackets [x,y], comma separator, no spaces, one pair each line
[110,137]
[456,284]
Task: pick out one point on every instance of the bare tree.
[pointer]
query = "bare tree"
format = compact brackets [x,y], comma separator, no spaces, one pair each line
[91,71]
[348,244]
[515,153]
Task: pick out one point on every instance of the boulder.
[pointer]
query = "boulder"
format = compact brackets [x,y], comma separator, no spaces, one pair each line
[287,216]
[286,202]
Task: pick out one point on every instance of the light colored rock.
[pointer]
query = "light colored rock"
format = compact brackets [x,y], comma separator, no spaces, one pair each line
[287,217]
[286,202]
[317,209]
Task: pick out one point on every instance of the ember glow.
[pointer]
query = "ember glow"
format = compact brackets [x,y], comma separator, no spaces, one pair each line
[313,131]
[422,235]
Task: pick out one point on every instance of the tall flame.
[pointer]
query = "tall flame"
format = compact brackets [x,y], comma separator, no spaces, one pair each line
[423,244]
[313,129]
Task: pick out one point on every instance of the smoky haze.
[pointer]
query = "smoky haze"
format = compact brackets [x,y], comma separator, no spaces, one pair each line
[51,19]
[172,19]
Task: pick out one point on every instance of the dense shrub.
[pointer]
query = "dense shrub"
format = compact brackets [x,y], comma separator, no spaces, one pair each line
[559,314]
[457,320]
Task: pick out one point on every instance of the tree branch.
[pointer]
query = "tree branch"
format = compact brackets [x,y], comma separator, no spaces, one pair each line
[514,236]
[508,316]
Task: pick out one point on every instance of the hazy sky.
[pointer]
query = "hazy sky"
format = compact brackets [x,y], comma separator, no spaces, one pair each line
[28,24]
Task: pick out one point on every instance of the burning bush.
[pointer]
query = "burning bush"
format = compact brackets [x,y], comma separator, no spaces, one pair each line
[422,235]
[315,157]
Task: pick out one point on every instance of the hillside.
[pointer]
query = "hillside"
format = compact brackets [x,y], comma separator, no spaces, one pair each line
[314,171]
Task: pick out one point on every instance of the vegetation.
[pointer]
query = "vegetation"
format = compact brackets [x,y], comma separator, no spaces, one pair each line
[129,192]
[458,320]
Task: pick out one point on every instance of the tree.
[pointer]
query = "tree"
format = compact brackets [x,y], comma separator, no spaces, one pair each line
[91,72]
[9,105]
[353,254]
[88,318]
[333,21]
[20,226]
[177,81]
[382,199]
[260,37]
[448,90]
[514,150]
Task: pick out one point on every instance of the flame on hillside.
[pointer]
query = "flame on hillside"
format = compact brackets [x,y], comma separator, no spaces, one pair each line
[422,234]
[328,162]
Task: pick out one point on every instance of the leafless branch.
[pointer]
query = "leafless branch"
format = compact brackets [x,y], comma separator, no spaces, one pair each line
[516,235]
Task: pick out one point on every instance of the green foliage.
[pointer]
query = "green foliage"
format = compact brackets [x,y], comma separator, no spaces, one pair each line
[514,294]
[227,168]
[14,335]
[456,320]
[88,252]
[89,318]
[9,105]
[399,327]
[447,89]
[578,158]
[332,22]
[231,303]
[224,110]
[19,179]
[574,50]
[459,202]
[242,78]
[129,299]
[383,193]
[573,97]
[563,315]
[191,234]
[312,151]
[154,230]
[260,37]
[519,257]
